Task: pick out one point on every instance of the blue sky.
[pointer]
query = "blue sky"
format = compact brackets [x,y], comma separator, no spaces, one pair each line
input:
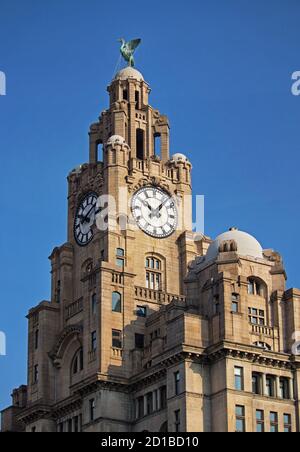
[221,70]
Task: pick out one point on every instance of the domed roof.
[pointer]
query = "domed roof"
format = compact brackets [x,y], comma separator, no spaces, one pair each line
[116,139]
[179,158]
[129,72]
[246,244]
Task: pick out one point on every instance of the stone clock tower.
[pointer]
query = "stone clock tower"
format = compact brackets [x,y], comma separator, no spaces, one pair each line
[149,328]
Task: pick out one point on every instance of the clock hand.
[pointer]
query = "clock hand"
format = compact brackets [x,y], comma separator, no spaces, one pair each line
[156,212]
[86,217]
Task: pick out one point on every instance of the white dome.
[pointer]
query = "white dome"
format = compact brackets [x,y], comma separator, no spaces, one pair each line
[246,245]
[116,139]
[180,158]
[129,72]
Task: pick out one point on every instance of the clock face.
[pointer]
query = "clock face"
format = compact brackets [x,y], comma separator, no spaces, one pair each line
[155,212]
[85,219]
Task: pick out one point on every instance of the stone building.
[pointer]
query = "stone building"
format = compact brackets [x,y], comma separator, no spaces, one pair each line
[151,327]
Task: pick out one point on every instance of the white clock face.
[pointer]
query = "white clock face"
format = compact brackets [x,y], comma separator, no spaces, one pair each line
[155,212]
[85,219]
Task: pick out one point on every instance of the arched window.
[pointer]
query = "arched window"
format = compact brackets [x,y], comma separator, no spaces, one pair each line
[153,273]
[116,302]
[263,345]
[77,363]
[255,287]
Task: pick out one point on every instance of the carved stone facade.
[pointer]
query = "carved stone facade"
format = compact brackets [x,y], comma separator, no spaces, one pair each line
[146,334]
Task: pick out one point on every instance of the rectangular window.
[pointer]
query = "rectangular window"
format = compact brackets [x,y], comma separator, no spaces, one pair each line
[116,339]
[94,304]
[140,407]
[287,420]
[177,421]
[177,382]
[284,388]
[92,409]
[36,374]
[93,341]
[149,399]
[256,316]
[216,305]
[139,341]
[240,423]
[273,422]
[60,427]
[239,378]
[70,427]
[76,424]
[260,421]
[163,397]
[235,303]
[116,302]
[270,383]
[141,311]
[36,339]
[256,383]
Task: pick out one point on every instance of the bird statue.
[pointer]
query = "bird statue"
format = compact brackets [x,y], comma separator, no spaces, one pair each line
[128,48]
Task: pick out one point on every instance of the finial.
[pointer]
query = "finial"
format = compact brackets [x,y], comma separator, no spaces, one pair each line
[127,50]
[233,229]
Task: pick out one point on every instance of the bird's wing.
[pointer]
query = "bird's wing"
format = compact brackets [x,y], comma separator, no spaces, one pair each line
[132,45]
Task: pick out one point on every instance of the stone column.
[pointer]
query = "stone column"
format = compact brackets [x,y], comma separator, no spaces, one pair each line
[291,388]
[278,392]
[264,385]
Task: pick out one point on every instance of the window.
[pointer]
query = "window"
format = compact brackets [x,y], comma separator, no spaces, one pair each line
[153,274]
[61,427]
[36,374]
[125,94]
[284,388]
[287,421]
[94,304]
[92,409]
[270,383]
[70,427]
[141,311]
[120,258]
[273,422]
[240,425]
[163,397]
[36,339]
[263,345]
[216,304]
[137,99]
[255,287]
[140,144]
[116,302]
[58,292]
[149,403]
[256,383]
[239,378]
[140,407]
[116,339]
[235,303]
[177,382]
[256,316]
[139,341]
[76,424]
[94,341]
[33,430]
[260,421]
[78,362]
[177,421]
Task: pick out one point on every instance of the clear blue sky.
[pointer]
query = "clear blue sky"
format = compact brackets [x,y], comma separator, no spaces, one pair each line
[222,72]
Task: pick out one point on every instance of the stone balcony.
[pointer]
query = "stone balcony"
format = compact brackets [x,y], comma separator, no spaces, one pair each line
[155,296]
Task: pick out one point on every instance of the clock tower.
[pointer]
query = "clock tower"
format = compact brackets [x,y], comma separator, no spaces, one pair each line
[129,243]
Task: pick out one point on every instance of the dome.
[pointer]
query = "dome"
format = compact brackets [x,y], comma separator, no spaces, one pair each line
[246,244]
[116,139]
[129,72]
[179,158]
